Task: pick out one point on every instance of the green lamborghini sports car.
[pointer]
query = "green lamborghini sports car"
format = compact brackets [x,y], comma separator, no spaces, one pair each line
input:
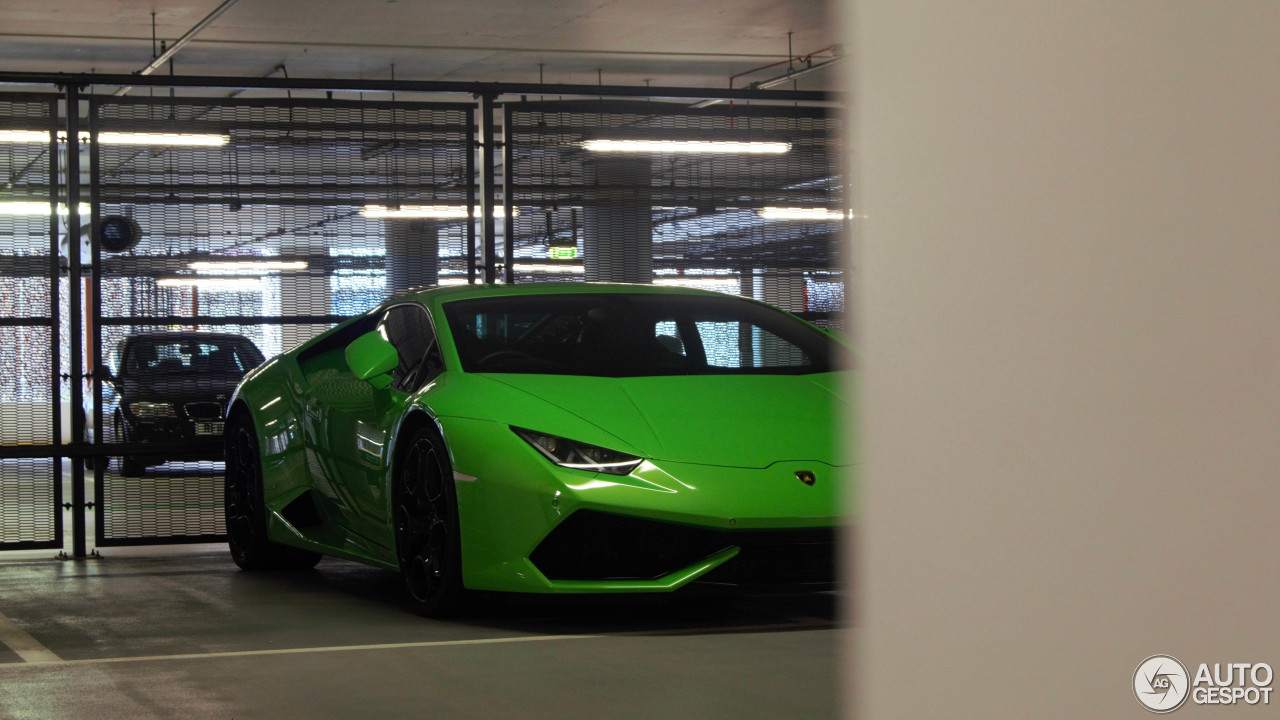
[546,438]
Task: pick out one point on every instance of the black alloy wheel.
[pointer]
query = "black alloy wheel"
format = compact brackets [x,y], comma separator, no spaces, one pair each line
[244,509]
[426,523]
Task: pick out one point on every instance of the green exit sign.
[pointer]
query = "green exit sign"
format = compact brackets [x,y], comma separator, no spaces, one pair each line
[567,252]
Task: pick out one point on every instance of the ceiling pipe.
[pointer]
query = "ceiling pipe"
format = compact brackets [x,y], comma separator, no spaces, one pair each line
[180,43]
[788,75]
[766,84]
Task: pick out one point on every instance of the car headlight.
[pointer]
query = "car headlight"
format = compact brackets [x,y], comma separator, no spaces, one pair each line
[153,410]
[579,456]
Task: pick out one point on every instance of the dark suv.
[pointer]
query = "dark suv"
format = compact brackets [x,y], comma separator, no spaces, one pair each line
[173,387]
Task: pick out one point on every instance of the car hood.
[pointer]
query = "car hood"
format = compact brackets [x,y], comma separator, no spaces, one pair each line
[729,420]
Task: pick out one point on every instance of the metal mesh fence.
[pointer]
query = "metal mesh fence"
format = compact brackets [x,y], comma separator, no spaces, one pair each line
[261,222]
[747,200]
[30,407]
[286,219]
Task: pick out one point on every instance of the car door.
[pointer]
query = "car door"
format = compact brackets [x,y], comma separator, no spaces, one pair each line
[357,429]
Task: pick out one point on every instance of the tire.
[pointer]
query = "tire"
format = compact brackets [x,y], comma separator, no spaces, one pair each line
[245,511]
[428,545]
[129,465]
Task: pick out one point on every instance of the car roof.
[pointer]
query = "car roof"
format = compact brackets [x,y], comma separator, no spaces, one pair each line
[182,336]
[434,295]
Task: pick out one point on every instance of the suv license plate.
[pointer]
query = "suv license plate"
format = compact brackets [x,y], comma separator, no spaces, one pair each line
[208,428]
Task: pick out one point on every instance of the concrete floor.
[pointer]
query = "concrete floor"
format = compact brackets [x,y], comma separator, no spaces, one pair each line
[187,635]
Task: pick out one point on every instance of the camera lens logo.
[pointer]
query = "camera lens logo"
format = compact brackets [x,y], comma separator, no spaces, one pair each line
[1161,683]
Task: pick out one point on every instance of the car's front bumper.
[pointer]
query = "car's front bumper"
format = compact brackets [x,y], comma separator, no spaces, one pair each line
[530,526]
[204,438]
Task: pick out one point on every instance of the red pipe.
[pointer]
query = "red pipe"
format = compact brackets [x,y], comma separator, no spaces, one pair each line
[799,58]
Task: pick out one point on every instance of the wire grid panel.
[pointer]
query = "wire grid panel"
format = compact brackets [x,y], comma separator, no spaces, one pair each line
[29,514]
[758,210]
[27,222]
[175,500]
[291,216]
[349,194]
[31,221]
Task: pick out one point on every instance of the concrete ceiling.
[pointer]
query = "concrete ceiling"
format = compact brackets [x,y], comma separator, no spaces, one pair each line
[689,43]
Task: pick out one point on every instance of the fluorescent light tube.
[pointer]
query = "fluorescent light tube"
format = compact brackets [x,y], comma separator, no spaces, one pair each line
[38,209]
[687,146]
[187,139]
[415,211]
[120,138]
[27,136]
[704,282]
[247,267]
[437,212]
[785,213]
[226,284]
[549,268]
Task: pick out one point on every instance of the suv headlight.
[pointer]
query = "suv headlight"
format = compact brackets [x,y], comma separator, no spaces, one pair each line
[153,410]
[578,455]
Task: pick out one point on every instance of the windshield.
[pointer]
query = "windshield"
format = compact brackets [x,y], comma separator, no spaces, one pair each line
[631,335]
[170,356]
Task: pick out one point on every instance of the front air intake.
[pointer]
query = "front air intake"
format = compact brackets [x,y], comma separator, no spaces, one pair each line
[592,545]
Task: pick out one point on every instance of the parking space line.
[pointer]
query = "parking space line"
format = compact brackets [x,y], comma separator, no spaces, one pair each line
[27,647]
[798,625]
[33,657]
[298,651]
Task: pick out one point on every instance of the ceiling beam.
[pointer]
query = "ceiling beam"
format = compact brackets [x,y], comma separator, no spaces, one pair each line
[479,89]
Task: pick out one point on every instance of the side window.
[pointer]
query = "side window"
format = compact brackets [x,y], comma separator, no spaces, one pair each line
[247,357]
[735,344]
[722,343]
[409,330]
[667,335]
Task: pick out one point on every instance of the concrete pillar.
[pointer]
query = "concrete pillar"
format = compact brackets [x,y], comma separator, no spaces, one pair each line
[781,288]
[784,289]
[618,228]
[1065,427]
[412,254]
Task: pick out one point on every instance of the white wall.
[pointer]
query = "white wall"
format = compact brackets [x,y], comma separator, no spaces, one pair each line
[1069,281]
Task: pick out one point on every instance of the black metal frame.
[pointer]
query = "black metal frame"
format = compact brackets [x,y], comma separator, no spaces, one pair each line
[104,450]
[486,143]
[474,89]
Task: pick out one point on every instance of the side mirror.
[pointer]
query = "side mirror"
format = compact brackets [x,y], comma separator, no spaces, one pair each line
[371,357]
